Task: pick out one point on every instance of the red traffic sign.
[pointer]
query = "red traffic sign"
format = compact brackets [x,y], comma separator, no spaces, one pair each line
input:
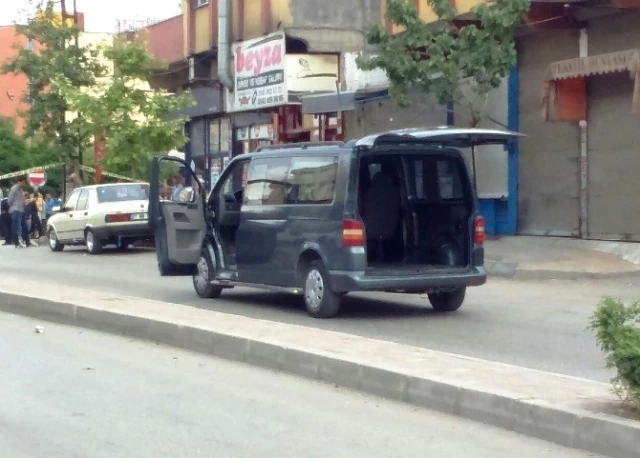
[37,178]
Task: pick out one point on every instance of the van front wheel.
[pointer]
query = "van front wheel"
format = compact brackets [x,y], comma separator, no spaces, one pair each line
[203,278]
[320,299]
[449,301]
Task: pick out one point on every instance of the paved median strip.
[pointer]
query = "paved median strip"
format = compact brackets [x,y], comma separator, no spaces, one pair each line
[569,411]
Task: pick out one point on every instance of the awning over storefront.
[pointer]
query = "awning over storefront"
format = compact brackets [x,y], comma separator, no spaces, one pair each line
[564,97]
[333,102]
[208,102]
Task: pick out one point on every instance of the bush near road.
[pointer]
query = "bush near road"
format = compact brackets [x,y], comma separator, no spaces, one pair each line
[617,328]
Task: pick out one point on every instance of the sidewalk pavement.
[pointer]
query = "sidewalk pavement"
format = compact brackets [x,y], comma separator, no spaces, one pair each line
[541,258]
[569,411]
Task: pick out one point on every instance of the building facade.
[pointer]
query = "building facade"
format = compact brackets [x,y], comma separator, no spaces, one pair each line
[12,87]
[572,175]
[580,108]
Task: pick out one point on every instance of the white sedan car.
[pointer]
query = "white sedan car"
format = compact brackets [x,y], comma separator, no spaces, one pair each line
[99,215]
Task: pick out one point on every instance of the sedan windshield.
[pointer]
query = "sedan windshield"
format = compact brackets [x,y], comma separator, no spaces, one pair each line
[123,192]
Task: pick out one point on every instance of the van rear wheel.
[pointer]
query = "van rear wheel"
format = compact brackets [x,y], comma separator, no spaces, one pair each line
[449,301]
[321,301]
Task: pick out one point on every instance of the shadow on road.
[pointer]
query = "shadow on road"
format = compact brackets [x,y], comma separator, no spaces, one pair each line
[107,251]
[353,306]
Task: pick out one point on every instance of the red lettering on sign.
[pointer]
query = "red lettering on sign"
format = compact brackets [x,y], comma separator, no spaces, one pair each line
[258,60]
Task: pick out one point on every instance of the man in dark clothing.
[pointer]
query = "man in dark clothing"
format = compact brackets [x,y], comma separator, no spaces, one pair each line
[16,208]
[5,221]
[31,212]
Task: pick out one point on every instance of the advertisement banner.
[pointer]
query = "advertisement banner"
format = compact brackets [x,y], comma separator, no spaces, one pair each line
[259,74]
[311,73]
[261,132]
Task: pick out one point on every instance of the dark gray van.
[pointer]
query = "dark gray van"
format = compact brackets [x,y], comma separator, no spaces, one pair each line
[393,212]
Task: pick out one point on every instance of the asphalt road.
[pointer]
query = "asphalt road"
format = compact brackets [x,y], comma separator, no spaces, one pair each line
[540,325]
[74,393]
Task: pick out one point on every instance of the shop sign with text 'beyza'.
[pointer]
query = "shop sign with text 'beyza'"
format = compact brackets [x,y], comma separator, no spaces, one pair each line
[259,74]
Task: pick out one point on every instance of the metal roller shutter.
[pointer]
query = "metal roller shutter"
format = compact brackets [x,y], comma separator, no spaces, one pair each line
[614,159]
[548,172]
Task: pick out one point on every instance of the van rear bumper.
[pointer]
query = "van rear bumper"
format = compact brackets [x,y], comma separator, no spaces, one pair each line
[346,281]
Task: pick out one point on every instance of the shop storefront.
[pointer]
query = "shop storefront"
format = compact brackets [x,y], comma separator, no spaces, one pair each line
[270,84]
[209,133]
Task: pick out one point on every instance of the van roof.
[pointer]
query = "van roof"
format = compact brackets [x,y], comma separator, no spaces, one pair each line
[456,137]
[288,149]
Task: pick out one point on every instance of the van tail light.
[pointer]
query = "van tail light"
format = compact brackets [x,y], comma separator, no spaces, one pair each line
[352,233]
[478,230]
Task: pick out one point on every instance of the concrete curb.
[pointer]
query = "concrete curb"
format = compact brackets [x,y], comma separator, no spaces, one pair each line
[572,427]
[505,269]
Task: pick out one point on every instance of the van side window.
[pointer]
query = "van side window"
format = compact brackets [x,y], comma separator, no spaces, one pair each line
[312,180]
[276,187]
[237,179]
[255,182]
[437,179]
[267,181]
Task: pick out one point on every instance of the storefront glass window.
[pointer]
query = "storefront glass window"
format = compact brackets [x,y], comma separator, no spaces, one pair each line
[219,135]
[198,138]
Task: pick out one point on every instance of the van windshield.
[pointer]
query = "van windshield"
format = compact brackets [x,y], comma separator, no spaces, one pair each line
[122,192]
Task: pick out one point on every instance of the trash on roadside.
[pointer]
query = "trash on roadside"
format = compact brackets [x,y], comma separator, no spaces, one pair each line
[39,329]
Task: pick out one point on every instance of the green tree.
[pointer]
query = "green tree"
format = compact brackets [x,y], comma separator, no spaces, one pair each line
[448,60]
[52,52]
[17,154]
[13,148]
[134,120]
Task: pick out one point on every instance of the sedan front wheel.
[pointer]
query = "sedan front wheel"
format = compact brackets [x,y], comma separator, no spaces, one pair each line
[54,243]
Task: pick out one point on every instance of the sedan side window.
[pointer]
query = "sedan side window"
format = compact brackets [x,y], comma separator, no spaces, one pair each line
[83,200]
[72,201]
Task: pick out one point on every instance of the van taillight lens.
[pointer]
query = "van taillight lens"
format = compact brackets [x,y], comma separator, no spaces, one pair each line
[478,231]
[352,233]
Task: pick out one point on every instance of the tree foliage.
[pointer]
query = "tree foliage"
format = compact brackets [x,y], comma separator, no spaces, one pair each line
[13,148]
[134,120]
[53,53]
[448,60]
[17,154]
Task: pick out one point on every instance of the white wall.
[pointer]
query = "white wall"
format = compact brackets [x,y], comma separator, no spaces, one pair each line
[491,161]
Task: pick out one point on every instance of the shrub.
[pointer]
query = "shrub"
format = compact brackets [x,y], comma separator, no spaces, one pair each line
[617,328]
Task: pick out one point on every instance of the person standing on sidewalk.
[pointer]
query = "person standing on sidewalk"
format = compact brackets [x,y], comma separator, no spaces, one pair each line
[17,203]
[32,213]
[178,186]
[5,222]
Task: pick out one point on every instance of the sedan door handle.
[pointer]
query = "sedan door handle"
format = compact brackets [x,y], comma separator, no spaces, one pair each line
[86,213]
